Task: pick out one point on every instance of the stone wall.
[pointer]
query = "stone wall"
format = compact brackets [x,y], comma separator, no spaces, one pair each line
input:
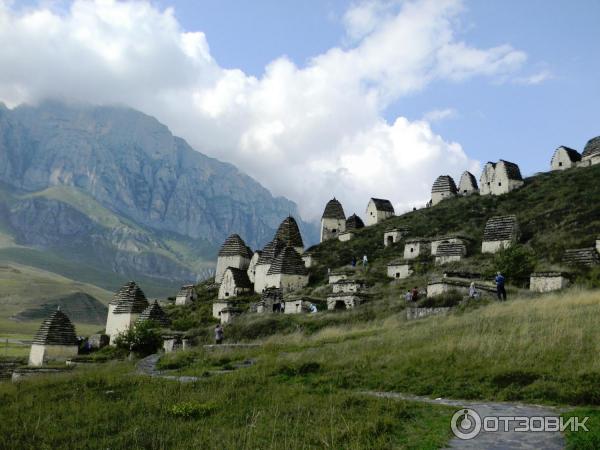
[440,260]
[547,282]
[309,260]
[287,283]
[223,262]
[349,301]
[345,236]
[560,160]
[440,287]
[437,197]
[217,307]
[118,323]
[419,313]
[375,216]
[334,277]
[393,236]
[414,249]
[494,246]
[331,228]
[252,267]
[399,271]
[260,277]
[348,286]
[39,354]
[229,289]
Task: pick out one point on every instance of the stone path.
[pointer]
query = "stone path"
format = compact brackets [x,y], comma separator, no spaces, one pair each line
[147,366]
[499,440]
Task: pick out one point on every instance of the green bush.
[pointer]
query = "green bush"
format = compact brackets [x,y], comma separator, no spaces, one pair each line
[143,338]
[192,410]
[516,264]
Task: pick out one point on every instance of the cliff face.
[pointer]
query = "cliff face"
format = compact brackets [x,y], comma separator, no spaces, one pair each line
[114,185]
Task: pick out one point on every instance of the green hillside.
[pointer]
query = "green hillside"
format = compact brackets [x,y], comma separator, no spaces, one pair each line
[555,211]
[304,382]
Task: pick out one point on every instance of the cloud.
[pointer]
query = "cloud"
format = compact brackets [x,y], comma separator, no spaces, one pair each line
[535,78]
[307,132]
[437,115]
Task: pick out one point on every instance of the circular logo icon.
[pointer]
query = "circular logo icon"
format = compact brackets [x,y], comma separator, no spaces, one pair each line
[465,424]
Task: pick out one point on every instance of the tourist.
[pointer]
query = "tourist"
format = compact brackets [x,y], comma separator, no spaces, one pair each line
[408,296]
[473,291]
[415,294]
[313,308]
[353,261]
[365,260]
[218,334]
[500,290]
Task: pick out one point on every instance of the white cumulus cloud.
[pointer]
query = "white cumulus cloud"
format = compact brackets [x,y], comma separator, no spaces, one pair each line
[308,132]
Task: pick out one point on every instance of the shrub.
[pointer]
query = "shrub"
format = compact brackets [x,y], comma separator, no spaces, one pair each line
[192,410]
[142,338]
[516,263]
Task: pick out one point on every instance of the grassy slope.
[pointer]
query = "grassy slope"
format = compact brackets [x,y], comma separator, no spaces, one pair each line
[555,211]
[304,390]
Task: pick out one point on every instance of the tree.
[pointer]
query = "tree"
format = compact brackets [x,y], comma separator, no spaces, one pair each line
[516,263]
[142,338]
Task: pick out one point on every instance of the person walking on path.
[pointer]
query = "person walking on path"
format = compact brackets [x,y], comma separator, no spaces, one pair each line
[408,296]
[500,290]
[365,260]
[473,291]
[219,334]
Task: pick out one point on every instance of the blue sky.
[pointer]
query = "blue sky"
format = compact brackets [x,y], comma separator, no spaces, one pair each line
[316,99]
[522,123]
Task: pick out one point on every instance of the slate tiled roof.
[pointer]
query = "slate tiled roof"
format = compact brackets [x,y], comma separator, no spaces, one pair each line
[581,257]
[289,233]
[444,183]
[56,330]
[450,249]
[333,210]
[271,250]
[512,170]
[383,205]
[573,155]
[186,290]
[234,245]
[500,228]
[467,181]
[288,262]
[354,223]
[155,313]
[592,147]
[129,299]
[240,277]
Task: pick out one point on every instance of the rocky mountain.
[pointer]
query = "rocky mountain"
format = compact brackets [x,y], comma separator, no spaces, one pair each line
[113,189]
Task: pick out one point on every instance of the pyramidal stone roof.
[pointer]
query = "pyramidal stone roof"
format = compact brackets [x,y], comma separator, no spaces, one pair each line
[468,181]
[129,299]
[512,170]
[581,257]
[592,147]
[240,277]
[234,245]
[57,329]
[573,154]
[289,233]
[500,228]
[354,223]
[188,289]
[382,204]
[451,249]
[155,313]
[270,252]
[444,183]
[288,262]
[334,210]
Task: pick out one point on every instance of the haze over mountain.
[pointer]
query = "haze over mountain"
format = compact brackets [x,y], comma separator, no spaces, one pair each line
[112,189]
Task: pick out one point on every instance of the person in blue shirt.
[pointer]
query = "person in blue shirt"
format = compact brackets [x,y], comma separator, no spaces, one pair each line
[500,291]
